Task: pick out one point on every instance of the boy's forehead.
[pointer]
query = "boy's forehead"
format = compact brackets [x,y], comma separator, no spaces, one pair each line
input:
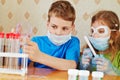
[59,21]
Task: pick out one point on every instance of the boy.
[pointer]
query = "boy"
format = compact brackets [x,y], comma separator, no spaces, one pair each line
[58,49]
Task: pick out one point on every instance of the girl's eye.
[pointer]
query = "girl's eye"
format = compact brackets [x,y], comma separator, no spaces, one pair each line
[92,31]
[101,30]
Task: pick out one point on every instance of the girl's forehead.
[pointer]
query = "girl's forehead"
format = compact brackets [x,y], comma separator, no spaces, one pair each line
[99,23]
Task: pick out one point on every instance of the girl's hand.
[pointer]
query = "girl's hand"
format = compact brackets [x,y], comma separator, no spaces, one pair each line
[86,57]
[103,64]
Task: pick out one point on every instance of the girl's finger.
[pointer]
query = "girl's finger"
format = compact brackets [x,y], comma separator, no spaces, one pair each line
[99,63]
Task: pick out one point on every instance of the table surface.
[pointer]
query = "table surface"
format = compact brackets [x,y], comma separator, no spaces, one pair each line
[46,74]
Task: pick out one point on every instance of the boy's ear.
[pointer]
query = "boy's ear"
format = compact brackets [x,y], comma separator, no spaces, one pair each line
[74,31]
[48,24]
[73,27]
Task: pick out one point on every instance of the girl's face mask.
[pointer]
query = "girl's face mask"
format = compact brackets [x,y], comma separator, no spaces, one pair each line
[58,40]
[100,44]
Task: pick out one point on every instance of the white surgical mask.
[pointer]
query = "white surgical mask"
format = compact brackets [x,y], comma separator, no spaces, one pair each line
[58,40]
[100,44]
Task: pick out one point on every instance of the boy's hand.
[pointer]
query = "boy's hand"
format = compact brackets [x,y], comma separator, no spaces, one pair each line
[31,48]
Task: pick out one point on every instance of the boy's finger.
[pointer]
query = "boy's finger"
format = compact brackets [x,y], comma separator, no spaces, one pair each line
[29,42]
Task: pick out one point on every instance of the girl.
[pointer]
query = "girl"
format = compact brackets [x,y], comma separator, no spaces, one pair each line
[104,39]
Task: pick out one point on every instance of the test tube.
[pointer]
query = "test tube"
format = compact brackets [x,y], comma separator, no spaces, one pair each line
[16,49]
[10,48]
[7,47]
[1,47]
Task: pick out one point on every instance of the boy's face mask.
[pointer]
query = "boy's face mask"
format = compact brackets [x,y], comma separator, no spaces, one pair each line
[58,40]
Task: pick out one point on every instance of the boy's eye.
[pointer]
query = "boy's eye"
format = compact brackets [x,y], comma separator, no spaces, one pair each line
[53,26]
[64,28]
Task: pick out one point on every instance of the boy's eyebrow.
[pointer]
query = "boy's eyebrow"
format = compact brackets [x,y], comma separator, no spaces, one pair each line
[58,25]
[65,26]
[54,25]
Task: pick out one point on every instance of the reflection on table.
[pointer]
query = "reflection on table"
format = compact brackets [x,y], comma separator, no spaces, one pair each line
[46,74]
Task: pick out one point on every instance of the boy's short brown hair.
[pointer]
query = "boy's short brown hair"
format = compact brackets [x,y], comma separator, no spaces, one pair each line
[62,9]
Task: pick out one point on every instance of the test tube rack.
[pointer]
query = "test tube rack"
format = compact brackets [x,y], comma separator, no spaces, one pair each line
[22,70]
